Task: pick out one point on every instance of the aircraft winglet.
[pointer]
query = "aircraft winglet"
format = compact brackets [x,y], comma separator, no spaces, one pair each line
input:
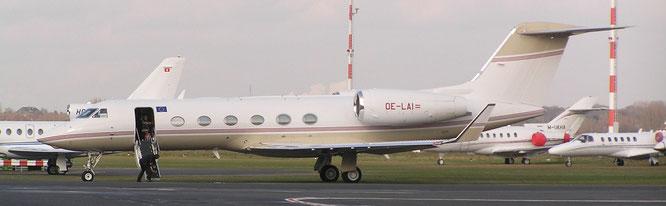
[472,131]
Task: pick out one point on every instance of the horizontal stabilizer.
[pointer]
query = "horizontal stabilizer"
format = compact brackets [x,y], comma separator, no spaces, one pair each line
[569,31]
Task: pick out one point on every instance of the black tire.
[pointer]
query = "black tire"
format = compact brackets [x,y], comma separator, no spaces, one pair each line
[329,173]
[87,176]
[526,161]
[440,162]
[52,169]
[511,160]
[507,161]
[568,164]
[620,162]
[353,176]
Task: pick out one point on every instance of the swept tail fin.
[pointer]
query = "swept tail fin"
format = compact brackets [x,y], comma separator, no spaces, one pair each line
[522,68]
[162,82]
[571,119]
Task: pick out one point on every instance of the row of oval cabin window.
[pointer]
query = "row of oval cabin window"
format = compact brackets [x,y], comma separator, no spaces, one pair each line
[500,135]
[20,131]
[621,139]
[232,120]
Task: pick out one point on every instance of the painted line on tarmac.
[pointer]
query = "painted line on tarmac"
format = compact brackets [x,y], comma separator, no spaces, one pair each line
[304,200]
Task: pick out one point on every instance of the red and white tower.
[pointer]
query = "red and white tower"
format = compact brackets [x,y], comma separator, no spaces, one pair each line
[612,116]
[350,50]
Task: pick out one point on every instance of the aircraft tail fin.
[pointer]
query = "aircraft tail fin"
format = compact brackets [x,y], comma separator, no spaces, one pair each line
[162,82]
[522,68]
[572,118]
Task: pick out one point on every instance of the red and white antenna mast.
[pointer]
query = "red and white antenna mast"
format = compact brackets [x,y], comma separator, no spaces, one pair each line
[612,116]
[350,50]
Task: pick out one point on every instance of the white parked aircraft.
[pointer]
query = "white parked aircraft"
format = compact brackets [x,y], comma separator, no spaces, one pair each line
[18,139]
[618,145]
[376,121]
[523,141]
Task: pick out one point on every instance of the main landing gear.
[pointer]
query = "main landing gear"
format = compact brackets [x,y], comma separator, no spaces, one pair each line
[509,160]
[54,165]
[653,161]
[440,161]
[330,173]
[620,162]
[525,161]
[93,158]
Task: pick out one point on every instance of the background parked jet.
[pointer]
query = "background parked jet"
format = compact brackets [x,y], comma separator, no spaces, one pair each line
[19,138]
[376,121]
[621,146]
[524,141]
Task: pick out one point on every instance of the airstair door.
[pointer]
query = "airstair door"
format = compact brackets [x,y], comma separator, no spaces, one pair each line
[146,146]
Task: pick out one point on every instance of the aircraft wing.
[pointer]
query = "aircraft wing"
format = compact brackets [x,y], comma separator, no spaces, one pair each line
[469,133]
[514,151]
[42,151]
[635,153]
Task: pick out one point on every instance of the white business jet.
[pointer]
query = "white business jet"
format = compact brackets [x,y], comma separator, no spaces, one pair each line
[639,146]
[18,139]
[523,141]
[376,121]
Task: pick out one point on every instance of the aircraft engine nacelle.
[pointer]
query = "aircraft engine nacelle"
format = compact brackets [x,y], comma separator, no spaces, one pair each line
[539,139]
[401,107]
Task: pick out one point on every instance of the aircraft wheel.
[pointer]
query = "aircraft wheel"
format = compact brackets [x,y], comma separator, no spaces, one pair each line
[568,164]
[653,163]
[87,176]
[440,161]
[511,161]
[526,161]
[620,162]
[52,169]
[329,173]
[353,176]
[507,161]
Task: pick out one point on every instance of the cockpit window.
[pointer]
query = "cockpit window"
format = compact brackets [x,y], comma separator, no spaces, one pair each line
[86,113]
[585,138]
[101,114]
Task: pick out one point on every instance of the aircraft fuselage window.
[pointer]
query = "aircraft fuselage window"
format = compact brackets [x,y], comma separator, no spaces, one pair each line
[583,138]
[29,131]
[204,121]
[177,121]
[622,139]
[590,139]
[40,131]
[487,135]
[609,139]
[9,132]
[19,131]
[615,139]
[283,119]
[515,134]
[230,120]
[257,120]
[87,113]
[481,136]
[309,118]
[501,135]
[602,139]
[635,139]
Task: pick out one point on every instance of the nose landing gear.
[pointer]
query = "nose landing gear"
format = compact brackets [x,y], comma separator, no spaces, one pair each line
[93,158]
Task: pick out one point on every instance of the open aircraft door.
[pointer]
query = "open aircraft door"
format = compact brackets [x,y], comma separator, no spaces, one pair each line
[145,141]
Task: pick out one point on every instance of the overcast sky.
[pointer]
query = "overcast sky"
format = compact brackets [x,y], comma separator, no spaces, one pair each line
[53,53]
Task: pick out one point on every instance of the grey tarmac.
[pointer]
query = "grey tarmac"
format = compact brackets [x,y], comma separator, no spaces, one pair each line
[163,193]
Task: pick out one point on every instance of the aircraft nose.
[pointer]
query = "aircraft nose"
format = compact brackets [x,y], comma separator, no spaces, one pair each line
[556,150]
